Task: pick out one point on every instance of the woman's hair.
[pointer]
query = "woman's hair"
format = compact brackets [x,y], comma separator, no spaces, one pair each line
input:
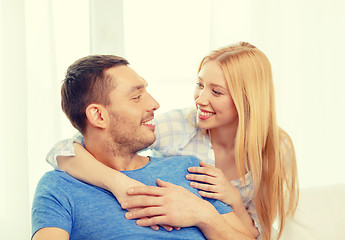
[260,145]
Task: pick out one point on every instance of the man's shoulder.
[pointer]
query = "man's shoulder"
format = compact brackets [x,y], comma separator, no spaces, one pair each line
[178,161]
[54,174]
[53,179]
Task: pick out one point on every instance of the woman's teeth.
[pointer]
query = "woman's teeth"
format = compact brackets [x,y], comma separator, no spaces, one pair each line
[205,113]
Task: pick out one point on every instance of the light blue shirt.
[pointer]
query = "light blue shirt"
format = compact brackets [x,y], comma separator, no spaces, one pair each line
[176,134]
[88,212]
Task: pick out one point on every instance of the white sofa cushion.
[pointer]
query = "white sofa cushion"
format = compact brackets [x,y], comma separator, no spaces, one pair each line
[320,215]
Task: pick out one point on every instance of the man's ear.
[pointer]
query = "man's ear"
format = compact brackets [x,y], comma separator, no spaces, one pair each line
[97,115]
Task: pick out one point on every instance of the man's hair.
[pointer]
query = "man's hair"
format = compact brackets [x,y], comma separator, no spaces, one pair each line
[86,82]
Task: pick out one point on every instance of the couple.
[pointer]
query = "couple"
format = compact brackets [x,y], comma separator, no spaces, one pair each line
[107,102]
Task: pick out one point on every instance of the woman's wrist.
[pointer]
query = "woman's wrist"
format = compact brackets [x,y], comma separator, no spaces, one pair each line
[206,220]
[235,200]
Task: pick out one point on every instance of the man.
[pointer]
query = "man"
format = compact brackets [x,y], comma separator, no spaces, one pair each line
[108,103]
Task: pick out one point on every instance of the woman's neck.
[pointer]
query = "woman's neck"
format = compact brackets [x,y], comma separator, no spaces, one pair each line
[223,137]
[223,144]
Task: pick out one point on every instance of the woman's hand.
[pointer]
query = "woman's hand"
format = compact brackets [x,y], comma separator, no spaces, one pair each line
[86,168]
[168,204]
[212,183]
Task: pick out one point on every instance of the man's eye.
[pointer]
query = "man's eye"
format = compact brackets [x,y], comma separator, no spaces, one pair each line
[137,97]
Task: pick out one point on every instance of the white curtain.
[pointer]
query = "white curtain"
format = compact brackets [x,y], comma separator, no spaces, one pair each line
[39,38]
[164,40]
[14,173]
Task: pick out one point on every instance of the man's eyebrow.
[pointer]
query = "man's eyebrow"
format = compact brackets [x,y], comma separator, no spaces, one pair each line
[138,87]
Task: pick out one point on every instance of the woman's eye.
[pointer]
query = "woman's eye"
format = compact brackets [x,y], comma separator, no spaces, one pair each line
[216,92]
[199,84]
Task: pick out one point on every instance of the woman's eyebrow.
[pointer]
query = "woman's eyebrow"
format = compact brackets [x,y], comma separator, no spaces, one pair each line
[213,84]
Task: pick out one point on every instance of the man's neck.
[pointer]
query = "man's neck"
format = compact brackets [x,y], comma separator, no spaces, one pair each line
[115,157]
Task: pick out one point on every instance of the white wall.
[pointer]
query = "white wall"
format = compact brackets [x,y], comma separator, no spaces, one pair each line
[302,39]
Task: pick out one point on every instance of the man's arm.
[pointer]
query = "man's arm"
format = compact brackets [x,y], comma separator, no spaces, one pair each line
[51,233]
[176,206]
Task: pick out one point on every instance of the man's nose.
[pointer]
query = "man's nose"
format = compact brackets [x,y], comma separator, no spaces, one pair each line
[154,104]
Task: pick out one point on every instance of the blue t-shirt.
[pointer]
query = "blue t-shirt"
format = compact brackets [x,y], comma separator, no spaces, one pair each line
[89,212]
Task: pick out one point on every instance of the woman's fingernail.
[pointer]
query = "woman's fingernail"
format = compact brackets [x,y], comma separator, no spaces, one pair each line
[128,215]
[131,190]
[188,176]
[124,204]
[192,184]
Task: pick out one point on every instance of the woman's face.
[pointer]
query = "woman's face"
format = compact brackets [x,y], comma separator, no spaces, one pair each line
[215,108]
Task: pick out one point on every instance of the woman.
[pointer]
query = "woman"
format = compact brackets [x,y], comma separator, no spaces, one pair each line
[233,128]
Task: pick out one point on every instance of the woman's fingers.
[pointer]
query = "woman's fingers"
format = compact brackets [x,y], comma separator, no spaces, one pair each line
[205,169]
[145,213]
[146,190]
[154,227]
[145,222]
[141,202]
[203,164]
[167,227]
[205,187]
[209,194]
[201,178]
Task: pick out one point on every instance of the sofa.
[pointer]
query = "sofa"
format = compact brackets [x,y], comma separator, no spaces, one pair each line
[320,214]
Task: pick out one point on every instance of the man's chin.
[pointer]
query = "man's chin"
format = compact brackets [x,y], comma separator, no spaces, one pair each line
[152,141]
[146,144]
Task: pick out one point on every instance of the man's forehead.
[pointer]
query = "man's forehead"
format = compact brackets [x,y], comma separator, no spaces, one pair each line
[125,76]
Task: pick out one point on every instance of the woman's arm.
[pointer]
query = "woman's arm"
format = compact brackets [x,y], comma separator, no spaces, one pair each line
[86,168]
[176,206]
[212,183]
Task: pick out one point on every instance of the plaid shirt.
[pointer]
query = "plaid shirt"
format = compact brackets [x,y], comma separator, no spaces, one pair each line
[176,134]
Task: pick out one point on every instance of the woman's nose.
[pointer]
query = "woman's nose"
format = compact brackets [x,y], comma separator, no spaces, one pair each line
[201,98]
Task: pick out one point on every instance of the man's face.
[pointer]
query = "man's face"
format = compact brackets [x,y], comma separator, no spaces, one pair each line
[131,110]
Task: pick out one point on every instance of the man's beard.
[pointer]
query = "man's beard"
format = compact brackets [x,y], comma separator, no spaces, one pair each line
[124,137]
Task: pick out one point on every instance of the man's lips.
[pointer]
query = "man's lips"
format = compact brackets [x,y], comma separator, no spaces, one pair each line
[149,123]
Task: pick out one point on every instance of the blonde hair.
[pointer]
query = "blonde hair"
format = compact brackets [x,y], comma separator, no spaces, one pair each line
[260,145]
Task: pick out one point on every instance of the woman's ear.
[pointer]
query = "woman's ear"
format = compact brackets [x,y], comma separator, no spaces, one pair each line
[97,115]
